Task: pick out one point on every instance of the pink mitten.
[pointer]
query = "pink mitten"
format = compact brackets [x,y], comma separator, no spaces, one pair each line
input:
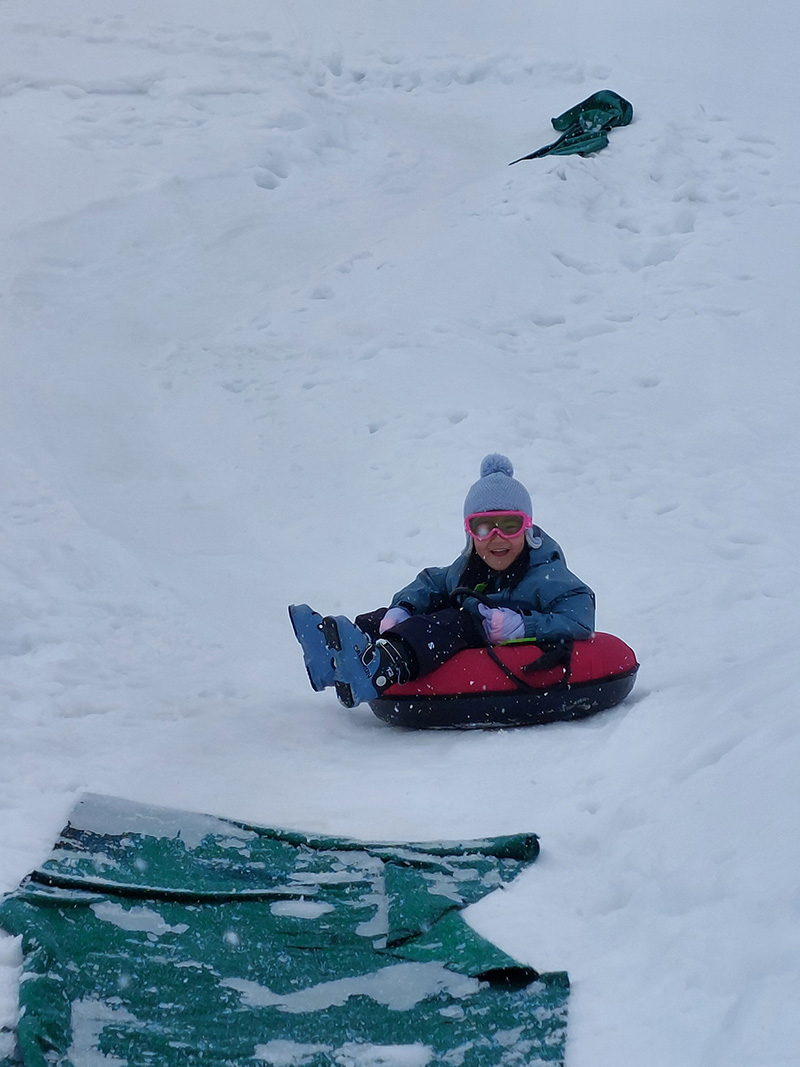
[501,624]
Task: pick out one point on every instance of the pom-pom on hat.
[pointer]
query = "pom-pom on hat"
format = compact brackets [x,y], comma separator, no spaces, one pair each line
[497,489]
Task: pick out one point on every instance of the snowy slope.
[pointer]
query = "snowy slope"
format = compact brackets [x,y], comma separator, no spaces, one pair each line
[269,293]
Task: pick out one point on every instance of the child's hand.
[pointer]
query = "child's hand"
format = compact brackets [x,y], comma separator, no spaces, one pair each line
[392,617]
[501,624]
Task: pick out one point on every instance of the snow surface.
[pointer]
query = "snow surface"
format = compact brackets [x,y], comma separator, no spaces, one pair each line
[269,293]
[399,986]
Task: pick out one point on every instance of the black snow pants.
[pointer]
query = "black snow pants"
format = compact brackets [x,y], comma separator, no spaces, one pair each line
[431,639]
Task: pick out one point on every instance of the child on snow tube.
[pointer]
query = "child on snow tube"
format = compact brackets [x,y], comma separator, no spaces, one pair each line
[522,587]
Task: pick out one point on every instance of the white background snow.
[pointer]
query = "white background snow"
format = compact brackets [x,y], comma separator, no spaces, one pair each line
[269,292]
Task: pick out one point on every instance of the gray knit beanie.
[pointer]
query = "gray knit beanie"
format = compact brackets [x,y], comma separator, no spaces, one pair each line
[497,489]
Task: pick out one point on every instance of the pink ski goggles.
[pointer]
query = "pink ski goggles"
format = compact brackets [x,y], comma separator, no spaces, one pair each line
[482,524]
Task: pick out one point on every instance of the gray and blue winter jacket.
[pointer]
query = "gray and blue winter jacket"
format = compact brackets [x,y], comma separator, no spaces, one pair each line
[554,603]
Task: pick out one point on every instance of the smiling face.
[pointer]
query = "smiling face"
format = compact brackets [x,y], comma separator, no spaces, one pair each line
[500,552]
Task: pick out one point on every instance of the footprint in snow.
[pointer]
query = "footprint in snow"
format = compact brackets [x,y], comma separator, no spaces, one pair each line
[265,179]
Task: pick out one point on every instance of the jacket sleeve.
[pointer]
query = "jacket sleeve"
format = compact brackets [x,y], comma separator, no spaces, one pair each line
[428,592]
[555,604]
[570,617]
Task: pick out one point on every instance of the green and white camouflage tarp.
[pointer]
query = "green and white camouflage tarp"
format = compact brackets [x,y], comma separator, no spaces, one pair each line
[154,938]
[584,128]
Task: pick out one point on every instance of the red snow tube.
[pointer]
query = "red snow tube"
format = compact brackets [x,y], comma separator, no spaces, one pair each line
[514,685]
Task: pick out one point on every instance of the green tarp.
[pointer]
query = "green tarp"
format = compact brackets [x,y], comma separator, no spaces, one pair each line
[585,127]
[155,937]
